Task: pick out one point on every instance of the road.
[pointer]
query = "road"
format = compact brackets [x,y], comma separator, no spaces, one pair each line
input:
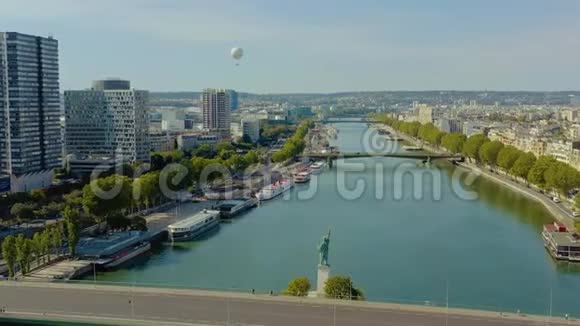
[147,306]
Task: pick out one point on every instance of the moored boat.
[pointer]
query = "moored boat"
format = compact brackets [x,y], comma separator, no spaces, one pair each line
[317,167]
[113,249]
[560,243]
[301,177]
[275,189]
[194,226]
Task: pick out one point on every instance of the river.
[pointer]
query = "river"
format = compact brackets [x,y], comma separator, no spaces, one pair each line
[483,253]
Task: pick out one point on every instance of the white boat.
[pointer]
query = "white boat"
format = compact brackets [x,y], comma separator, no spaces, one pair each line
[317,167]
[192,227]
[275,189]
[301,177]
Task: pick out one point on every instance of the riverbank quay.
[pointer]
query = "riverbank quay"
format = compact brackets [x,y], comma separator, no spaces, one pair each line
[558,210]
[132,305]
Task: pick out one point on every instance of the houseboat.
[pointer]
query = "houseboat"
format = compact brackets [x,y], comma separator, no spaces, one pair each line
[194,226]
[275,189]
[301,177]
[560,243]
[113,249]
[317,167]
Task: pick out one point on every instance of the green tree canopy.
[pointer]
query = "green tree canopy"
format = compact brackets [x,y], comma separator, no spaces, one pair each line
[536,174]
[472,146]
[298,287]
[9,253]
[507,157]
[453,142]
[107,195]
[71,217]
[339,287]
[489,151]
[23,211]
[523,165]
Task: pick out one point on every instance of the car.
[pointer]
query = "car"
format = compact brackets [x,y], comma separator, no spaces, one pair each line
[555,199]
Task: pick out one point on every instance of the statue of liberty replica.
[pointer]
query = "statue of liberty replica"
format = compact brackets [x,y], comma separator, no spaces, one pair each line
[323,266]
[323,250]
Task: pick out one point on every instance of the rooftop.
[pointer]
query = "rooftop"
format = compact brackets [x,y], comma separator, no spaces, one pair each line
[108,244]
[567,239]
[198,217]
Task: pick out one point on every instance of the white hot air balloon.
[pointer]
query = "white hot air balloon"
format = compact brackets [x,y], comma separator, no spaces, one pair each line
[237,54]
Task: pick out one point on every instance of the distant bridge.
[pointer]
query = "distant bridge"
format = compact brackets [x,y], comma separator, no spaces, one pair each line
[417,156]
[349,119]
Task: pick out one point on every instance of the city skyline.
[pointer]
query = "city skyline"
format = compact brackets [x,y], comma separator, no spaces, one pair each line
[328,48]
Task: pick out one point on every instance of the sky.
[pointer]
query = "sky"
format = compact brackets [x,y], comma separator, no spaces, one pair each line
[310,46]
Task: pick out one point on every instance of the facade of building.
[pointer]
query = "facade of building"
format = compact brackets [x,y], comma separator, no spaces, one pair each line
[110,119]
[163,141]
[570,115]
[188,142]
[251,128]
[31,141]
[234,104]
[216,111]
[562,150]
[450,125]
[425,114]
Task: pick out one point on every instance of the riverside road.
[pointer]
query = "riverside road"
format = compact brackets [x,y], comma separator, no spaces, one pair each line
[137,305]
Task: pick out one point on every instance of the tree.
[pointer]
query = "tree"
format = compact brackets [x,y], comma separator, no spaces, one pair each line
[489,151]
[204,151]
[298,287]
[9,253]
[453,142]
[157,162]
[45,243]
[37,246]
[38,196]
[51,210]
[115,195]
[21,254]
[23,211]
[341,287]
[536,174]
[507,157]
[523,165]
[149,190]
[223,146]
[472,146]
[561,177]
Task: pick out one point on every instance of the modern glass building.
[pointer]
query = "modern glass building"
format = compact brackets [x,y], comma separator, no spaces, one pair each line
[31,144]
[110,120]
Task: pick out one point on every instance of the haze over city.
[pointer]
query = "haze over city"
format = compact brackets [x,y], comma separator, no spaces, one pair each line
[311,46]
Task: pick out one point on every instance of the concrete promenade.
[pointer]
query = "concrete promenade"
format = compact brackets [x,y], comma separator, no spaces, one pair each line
[125,305]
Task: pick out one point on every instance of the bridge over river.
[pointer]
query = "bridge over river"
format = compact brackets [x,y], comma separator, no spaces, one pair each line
[135,305]
[418,156]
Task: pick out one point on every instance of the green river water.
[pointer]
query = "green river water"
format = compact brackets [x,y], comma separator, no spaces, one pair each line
[485,253]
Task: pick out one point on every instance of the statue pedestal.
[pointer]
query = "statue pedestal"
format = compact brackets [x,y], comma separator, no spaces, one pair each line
[323,273]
